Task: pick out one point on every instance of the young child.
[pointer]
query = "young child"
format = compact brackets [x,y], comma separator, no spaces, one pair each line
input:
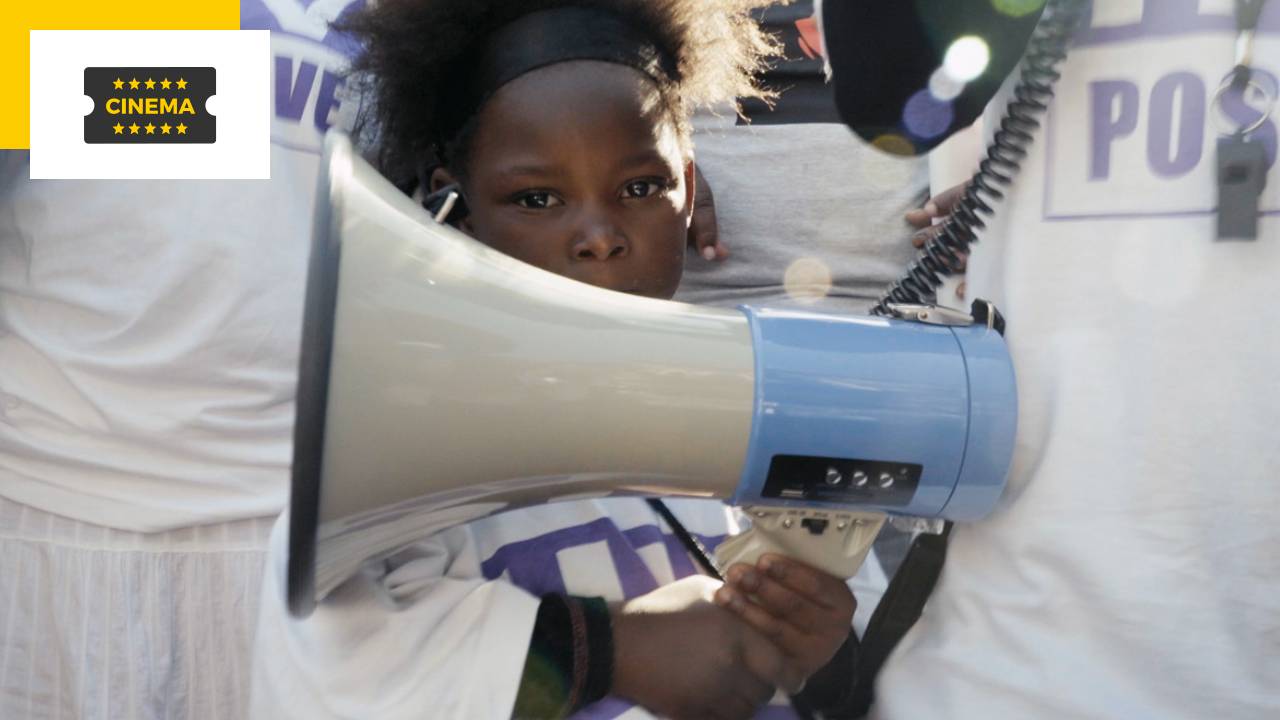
[564,128]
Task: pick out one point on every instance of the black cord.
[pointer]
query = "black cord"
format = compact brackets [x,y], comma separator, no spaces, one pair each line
[691,543]
[911,586]
[943,253]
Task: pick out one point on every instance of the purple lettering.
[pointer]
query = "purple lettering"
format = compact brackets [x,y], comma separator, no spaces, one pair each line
[291,95]
[327,102]
[533,564]
[1114,107]
[1190,94]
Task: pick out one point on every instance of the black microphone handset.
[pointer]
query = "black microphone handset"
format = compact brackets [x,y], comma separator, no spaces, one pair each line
[914,116]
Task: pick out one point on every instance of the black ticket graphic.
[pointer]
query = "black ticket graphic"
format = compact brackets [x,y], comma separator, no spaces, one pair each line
[150,105]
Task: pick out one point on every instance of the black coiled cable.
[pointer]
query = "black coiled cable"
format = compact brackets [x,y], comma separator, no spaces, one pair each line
[944,252]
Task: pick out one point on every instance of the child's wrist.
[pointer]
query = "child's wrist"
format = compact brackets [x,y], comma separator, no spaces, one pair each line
[570,659]
[599,647]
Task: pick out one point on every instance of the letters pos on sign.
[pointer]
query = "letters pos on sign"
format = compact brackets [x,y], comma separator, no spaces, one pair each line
[150,105]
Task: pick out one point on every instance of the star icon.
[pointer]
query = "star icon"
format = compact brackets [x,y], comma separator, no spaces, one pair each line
[133,84]
[151,129]
[165,83]
[119,84]
[165,128]
[182,84]
[133,129]
[118,128]
[182,129]
[151,84]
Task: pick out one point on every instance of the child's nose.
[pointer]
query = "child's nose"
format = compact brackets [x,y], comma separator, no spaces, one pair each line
[600,240]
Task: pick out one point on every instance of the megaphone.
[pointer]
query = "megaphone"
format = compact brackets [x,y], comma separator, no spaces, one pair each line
[442,381]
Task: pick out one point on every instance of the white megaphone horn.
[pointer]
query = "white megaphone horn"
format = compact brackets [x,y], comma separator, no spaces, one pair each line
[442,381]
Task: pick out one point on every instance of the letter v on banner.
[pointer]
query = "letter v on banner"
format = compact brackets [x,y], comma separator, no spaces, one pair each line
[163,104]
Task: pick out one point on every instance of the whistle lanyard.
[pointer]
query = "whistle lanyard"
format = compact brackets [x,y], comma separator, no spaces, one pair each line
[1247,13]
[1242,160]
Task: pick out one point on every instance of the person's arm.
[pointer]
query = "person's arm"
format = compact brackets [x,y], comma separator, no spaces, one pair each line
[423,634]
[672,651]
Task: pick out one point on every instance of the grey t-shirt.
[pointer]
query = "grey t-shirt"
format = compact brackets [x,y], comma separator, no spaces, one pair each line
[811,215]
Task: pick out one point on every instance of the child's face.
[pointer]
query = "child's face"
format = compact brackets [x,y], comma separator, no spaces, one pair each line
[577,168]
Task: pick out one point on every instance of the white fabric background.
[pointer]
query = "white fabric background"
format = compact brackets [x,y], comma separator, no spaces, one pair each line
[100,623]
[1131,571]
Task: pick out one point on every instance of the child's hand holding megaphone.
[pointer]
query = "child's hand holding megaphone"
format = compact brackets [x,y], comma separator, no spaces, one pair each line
[807,613]
[679,655]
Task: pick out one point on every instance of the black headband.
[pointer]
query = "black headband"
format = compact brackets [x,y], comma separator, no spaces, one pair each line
[543,38]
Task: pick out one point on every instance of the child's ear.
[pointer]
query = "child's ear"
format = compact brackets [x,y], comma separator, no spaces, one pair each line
[441,178]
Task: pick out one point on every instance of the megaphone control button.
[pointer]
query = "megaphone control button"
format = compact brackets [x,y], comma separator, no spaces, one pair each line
[886,480]
[815,526]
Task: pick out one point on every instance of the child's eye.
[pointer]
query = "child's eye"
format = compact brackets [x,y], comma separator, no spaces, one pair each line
[537,200]
[643,188]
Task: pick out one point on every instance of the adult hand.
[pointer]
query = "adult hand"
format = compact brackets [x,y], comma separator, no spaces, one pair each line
[938,206]
[806,612]
[922,219]
[682,656]
[704,234]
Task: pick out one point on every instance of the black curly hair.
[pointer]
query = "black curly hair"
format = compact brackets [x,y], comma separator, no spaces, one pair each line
[410,50]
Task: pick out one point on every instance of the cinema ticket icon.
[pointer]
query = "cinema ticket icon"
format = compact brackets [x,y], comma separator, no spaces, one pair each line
[148,105]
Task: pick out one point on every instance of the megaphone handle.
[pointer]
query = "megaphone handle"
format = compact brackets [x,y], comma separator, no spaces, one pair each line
[834,542]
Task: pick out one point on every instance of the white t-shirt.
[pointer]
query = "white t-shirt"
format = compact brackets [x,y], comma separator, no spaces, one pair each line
[441,629]
[149,330]
[811,215]
[1133,569]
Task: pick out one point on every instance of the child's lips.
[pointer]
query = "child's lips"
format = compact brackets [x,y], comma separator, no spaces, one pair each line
[631,287]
